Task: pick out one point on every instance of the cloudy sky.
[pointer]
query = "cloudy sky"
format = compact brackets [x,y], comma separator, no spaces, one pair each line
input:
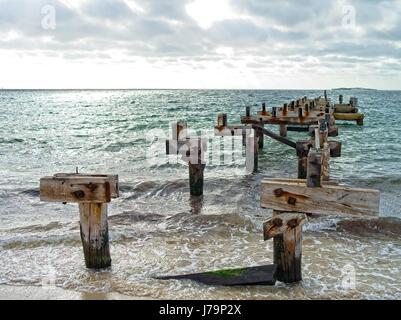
[200,44]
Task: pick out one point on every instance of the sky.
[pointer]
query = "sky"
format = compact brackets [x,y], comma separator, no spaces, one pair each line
[221,44]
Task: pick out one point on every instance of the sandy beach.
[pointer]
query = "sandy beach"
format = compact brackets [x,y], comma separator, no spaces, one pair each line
[8,292]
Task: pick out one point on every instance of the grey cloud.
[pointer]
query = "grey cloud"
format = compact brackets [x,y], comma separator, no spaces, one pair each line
[286,31]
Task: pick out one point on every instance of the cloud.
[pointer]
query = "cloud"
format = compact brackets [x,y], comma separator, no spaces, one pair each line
[253,34]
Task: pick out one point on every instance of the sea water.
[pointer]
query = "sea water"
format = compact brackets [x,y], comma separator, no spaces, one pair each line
[155,227]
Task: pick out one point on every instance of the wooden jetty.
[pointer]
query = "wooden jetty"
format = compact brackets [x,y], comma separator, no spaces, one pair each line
[290,199]
[92,193]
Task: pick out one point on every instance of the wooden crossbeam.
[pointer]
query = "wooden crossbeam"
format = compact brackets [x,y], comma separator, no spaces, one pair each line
[112,178]
[328,199]
[78,188]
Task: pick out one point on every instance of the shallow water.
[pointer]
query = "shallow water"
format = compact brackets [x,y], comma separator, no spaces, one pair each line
[155,227]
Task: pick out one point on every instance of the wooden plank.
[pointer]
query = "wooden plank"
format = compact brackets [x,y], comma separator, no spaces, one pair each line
[303,181]
[112,178]
[262,275]
[75,189]
[336,200]
[280,224]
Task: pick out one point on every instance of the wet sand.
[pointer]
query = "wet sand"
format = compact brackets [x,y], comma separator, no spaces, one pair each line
[54,293]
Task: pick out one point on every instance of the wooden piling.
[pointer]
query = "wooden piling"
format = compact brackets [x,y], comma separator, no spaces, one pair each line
[341,99]
[326,162]
[283,130]
[300,113]
[287,249]
[248,111]
[302,148]
[196,178]
[274,112]
[252,152]
[95,235]
[314,168]
[222,120]
[264,107]
[261,136]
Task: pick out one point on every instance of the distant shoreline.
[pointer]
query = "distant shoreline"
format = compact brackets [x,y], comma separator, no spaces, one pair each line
[184,89]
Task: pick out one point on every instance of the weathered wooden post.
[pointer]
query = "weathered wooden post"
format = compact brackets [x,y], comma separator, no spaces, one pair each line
[260,135]
[247,111]
[264,112]
[341,99]
[300,112]
[196,163]
[179,130]
[252,151]
[222,120]
[302,148]
[286,231]
[325,96]
[325,149]
[92,193]
[285,109]
[283,130]
[274,112]
[314,169]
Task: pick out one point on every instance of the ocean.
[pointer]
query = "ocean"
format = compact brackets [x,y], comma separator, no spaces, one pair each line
[156,228]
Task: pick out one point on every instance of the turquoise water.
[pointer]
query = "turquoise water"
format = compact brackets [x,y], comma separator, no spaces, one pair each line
[155,227]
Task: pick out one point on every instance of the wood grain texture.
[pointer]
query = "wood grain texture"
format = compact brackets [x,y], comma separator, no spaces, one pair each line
[329,199]
[95,235]
[75,189]
[282,223]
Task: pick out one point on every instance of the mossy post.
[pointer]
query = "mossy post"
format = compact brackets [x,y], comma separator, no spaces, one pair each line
[95,235]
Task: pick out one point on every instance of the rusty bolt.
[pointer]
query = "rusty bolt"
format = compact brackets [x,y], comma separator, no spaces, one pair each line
[278,192]
[79,194]
[292,201]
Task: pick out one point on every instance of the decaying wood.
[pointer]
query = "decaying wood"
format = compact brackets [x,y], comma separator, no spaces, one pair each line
[77,189]
[282,223]
[196,178]
[261,275]
[112,178]
[95,235]
[287,252]
[303,181]
[326,162]
[283,130]
[179,130]
[314,168]
[252,153]
[329,199]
